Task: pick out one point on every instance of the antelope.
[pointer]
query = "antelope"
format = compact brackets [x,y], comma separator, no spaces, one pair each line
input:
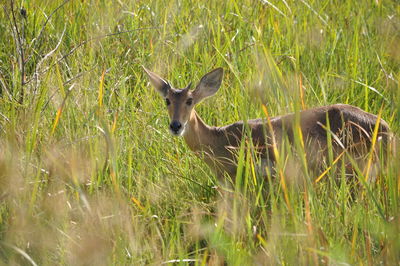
[350,127]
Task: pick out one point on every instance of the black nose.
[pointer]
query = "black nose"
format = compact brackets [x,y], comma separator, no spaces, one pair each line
[175,126]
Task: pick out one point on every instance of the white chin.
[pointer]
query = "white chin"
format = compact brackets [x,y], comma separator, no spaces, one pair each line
[177,134]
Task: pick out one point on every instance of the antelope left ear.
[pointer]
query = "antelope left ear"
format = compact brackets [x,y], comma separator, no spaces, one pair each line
[208,85]
[158,83]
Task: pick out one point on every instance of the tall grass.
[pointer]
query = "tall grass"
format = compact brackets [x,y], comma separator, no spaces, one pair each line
[90,175]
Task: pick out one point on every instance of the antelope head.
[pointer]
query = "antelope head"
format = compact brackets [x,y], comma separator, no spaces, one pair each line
[180,102]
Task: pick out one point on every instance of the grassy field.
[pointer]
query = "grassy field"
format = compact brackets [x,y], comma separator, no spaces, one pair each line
[89,174]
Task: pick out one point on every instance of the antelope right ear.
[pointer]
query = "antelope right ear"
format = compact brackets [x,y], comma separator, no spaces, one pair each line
[208,85]
[159,83]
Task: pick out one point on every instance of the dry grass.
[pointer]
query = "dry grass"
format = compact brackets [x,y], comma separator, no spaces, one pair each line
[89,174]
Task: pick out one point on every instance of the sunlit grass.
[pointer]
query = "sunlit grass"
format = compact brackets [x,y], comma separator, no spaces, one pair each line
[90,175]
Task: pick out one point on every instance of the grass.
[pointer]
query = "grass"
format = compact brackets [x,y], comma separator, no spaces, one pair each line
[90,175]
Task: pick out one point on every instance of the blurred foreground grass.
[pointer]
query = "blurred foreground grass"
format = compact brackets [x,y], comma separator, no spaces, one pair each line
[90,175]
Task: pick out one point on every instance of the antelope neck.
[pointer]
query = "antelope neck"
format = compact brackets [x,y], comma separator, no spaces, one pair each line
[198,135]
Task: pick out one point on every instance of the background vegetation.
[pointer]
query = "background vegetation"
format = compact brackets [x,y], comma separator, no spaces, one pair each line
[90,175]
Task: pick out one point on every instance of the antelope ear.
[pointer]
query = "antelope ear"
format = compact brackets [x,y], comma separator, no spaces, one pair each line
[208,85]
[159,83]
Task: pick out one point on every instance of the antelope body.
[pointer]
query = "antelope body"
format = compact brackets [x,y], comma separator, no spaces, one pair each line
[351,127]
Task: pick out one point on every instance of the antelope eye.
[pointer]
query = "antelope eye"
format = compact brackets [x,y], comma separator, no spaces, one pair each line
[189,101]
[167,101]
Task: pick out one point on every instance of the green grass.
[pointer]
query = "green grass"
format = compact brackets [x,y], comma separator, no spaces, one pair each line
[105,183]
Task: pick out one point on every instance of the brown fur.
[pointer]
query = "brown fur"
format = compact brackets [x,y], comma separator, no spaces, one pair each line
[351,128]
